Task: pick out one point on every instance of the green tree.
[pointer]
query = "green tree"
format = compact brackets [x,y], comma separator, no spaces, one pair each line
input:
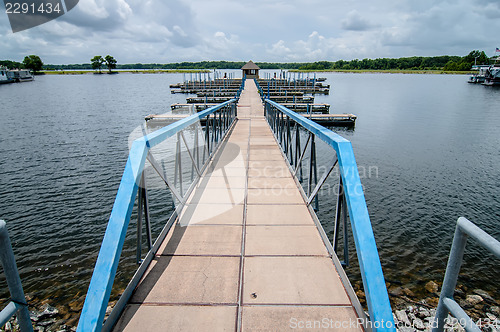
[10,64]
[478,57]
[110,62]
[97,62]
[451,66]
[33,62]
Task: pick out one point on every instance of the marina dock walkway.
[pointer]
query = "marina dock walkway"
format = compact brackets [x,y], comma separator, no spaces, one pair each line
[245,253]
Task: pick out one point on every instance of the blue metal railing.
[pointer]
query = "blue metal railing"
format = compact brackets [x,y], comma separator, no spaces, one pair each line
[17,305]
[285,123]
[100,287]
[446,304]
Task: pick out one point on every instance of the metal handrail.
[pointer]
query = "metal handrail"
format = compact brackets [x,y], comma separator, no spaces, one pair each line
[447,304]
[279,118]
[17,305]
[100,287]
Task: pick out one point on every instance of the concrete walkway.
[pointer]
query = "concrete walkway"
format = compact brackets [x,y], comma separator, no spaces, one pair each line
[245,253]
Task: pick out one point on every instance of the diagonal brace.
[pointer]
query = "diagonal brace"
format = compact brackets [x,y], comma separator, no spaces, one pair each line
[160,172]
[190,154]
[321,181]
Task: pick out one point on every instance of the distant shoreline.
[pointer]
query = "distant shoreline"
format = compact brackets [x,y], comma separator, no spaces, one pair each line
[180,71]
[127,71]
[384,71]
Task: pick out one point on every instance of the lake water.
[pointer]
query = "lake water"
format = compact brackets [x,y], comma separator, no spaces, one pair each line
[430,141]
[435,143]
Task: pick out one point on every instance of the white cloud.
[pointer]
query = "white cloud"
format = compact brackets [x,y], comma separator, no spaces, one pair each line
[124,9]
[220,34]
[279,49]
[91,8]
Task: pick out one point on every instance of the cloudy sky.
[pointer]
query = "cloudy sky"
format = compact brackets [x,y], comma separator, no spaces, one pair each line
[164,31]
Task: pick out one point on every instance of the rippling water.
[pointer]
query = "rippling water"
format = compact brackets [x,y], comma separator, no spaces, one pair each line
[435,145]
[64,144]
[429,144]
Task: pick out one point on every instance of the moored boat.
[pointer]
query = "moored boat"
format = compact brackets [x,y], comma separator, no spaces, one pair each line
[21,75]
[4,78]
[480,75]
[492,77]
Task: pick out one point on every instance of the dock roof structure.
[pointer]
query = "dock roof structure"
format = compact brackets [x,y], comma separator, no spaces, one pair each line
[250,65]
[250,70]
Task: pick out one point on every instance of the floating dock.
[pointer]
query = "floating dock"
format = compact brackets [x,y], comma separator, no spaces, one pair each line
[295,94]
[308,108]
[324,119]
[296,99]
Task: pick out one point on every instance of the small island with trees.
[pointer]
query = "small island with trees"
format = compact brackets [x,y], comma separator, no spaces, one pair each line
[98,61]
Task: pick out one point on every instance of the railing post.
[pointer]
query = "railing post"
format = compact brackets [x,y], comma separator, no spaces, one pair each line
[282,127]
[341,212]
[288,140]
[297,144]
[450,277]
[142,207]
[178,165]
[139,221]
[214,132]
[312,166]
[346,238]
[207,138]
[13,281]
[220,125]
[196,148]
[146,212]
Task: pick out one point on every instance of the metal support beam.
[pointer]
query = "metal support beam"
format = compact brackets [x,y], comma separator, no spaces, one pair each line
[189,153]
[178,164]
[299,163]
[142,208]
[18,303]
[446,304]
[138,253]
[163,176]
[321,181]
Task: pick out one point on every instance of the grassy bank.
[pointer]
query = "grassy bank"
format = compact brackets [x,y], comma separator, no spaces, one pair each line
[131,71]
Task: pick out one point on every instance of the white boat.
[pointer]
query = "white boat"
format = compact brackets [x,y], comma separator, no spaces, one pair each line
[20,75]
[4,78]
[480,76]
[492,76]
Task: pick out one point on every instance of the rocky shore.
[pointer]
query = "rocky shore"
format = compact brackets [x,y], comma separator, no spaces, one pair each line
[49,319]
[44,319]
[414,313]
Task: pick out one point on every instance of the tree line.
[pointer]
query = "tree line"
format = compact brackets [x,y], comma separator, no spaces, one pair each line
[444,62]
[32,62]
[181,65]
